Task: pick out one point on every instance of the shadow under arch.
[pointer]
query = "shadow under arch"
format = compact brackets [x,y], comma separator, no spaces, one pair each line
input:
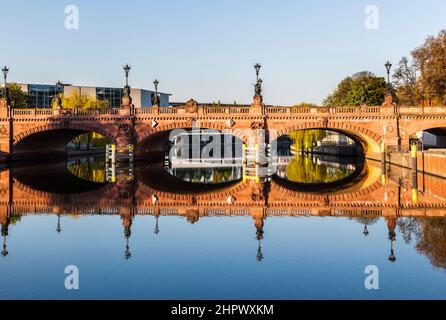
[51,140]
[53,178]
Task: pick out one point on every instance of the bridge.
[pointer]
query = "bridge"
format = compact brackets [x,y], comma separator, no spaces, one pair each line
[370,193]
[25,132]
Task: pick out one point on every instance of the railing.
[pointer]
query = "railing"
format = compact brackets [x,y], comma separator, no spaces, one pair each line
[234,110]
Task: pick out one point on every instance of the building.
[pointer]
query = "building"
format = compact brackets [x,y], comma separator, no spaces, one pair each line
[41,95]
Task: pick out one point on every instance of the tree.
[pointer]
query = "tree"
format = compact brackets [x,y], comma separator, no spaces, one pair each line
[18,98]
[405,82]
[349,91]
[77,101]
[307,139]
[430,62]
[305,105]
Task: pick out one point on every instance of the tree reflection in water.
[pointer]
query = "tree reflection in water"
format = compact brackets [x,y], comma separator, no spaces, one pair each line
[430,237]
[307,169]
[91,169]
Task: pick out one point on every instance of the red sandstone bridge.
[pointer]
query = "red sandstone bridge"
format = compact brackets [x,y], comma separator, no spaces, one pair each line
[45,131]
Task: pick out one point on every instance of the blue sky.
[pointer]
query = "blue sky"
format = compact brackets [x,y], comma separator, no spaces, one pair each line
[206,49]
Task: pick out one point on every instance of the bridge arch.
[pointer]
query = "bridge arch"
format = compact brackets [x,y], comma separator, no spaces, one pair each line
[53,137]
[369,140]
[151,142]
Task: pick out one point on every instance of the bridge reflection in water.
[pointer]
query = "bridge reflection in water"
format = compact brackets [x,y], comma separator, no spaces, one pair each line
[304,186]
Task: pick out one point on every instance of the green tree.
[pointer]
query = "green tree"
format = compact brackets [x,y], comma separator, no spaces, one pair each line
[18,98]
[303,169]
[307,139]
[78,101]
[349,91]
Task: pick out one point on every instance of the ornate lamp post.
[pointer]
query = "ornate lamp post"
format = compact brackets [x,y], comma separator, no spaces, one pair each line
[5,71]
[388,66]
[258,85]
[257,67]
[126,107]
[127,71]
[156,98]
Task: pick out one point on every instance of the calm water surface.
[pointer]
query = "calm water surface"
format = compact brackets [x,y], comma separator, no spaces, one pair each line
[147,234]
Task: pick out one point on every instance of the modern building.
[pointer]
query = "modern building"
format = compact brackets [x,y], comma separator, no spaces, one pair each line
[41,95]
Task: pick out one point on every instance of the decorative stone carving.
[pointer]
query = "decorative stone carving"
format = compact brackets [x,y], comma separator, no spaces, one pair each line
[324,122]
[257,125]
[191,106]
[126,133]
[388,101]
[3,130]
[325,200]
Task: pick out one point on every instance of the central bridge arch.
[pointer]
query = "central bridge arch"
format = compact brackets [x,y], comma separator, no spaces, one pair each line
[368,139]
[151,142]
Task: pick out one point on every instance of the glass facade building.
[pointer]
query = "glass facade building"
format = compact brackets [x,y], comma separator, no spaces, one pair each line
[112,95]
[41,96]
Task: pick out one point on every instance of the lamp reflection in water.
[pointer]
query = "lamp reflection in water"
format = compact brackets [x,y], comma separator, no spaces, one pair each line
[391,224]
[58,228]
[157,229]
[5,226]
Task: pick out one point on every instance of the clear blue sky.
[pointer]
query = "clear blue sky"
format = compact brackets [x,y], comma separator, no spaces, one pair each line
[206,49]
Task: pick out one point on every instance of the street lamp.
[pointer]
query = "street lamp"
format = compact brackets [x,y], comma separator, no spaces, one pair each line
[127,70]
[156,99]
[257,66]
[5,71]
[388,66]
[156,83]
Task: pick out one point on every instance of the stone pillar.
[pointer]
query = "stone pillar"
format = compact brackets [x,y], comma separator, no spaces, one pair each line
[127,107]
[6,131]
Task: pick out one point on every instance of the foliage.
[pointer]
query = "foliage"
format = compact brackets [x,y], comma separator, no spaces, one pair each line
[430,236]
[405,82]
[307,139]
[91,171]
[18,98]
[91,139]
[303,169]
[305,105]
[78,101]
[349,91]
[430,62]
